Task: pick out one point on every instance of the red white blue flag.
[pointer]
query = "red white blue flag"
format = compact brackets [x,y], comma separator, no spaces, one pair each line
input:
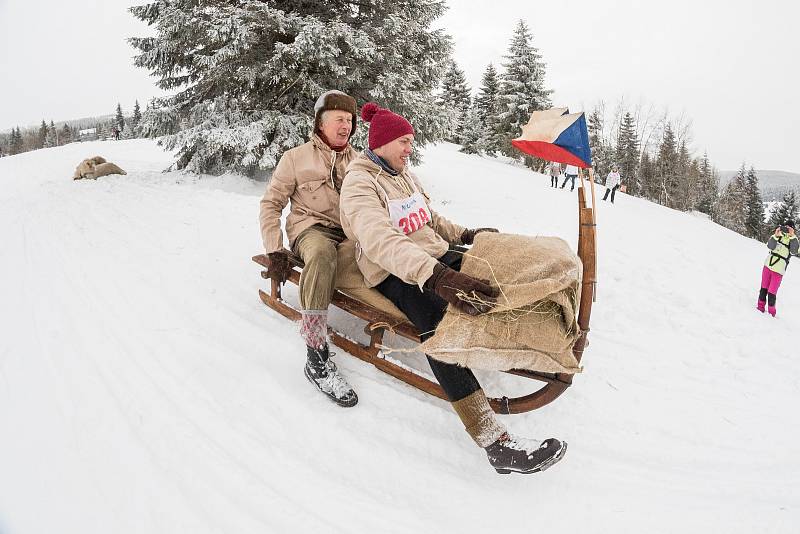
[556,135]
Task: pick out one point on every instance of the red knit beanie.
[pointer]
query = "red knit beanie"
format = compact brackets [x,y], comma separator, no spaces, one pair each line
[384,126]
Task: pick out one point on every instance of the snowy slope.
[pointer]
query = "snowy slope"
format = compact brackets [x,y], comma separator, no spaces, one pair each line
[144,388]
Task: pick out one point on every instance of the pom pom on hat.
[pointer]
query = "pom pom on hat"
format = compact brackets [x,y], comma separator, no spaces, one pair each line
[369,110]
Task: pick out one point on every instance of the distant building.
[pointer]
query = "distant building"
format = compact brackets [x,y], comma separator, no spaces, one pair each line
[90,134]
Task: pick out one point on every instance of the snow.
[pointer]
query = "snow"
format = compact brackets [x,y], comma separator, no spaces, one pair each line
[145,388]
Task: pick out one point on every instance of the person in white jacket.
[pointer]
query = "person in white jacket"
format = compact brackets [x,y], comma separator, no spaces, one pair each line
[570,174]
[613,182]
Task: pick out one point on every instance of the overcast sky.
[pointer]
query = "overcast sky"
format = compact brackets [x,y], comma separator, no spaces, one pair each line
[731,67]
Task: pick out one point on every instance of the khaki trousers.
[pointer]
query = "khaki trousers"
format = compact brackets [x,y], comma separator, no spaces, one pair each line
[316,246]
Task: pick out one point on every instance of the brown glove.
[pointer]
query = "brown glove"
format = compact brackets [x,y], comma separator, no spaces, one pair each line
[451,285]
[468,236]
[279,266]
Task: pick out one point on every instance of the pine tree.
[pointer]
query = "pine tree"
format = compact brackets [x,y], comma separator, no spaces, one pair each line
[628,153]
[14,142]
[707,186]
[472,132]
[20,142]
[119,118]
[685,177]
[246,74]
[42,137]
[731,209]
[754,220]
[602,153]
[66,135]
[666,181]
[128,132]
[137,117]
[455,96]
[787,210]
[51,139]
[487,108]
[647,176]
[522,88]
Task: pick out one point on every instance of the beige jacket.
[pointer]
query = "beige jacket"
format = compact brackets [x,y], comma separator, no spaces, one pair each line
[303,176]
[382,249]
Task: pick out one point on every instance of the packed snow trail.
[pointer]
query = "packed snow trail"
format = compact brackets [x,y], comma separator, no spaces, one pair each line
[145,388]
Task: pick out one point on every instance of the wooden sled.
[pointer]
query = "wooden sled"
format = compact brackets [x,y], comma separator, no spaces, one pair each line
[378,322]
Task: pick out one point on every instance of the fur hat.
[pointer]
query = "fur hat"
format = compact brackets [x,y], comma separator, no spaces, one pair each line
[331,100]
[384,126]
[789,223]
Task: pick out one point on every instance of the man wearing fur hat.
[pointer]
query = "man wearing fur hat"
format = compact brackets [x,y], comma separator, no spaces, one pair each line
[403,251]
[309,177]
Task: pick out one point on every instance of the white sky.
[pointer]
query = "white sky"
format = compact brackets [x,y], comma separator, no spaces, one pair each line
[731,67]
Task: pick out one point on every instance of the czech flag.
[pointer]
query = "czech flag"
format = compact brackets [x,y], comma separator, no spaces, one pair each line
[556,135]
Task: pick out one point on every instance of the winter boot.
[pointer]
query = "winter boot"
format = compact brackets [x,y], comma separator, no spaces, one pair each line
[772,310]
[510,453]
[761,305]
[322,372]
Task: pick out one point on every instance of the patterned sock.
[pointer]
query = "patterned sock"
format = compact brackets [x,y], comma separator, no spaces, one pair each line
[314,328]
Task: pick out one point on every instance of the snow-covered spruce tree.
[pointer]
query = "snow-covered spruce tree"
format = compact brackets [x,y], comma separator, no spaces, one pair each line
[16,145]
[51,139]
[472,132]
[754,220]
[707,186]
[128,132]
[686,173]
[731,209]
[119,118]
[602,152]
[666,177]
[247,73]
[628,153]
[65,137]
[455,97]
[522,89]
[786,210]
[135,119]
[42,137]
[487,108]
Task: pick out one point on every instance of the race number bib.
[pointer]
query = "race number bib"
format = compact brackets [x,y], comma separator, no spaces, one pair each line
[409,214]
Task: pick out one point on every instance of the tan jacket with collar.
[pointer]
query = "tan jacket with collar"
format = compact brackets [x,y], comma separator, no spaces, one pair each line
[303,177]
[382,249]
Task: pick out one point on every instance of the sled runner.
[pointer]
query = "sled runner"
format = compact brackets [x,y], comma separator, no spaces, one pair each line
[378,322]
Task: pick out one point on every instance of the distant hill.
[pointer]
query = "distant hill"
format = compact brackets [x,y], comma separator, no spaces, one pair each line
[84,122]
[773,184]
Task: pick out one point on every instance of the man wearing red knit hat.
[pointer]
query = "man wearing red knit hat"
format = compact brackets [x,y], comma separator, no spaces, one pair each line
[310,178]
[403,251]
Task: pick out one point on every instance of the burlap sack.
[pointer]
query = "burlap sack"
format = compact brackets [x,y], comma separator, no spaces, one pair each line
[534,325]
[84,169]
[88,168]
[104,169]
[350,281]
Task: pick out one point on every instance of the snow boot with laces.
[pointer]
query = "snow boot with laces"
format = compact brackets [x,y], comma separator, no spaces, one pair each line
[322,372]
[512,454]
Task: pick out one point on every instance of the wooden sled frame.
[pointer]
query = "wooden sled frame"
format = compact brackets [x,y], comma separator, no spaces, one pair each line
[378,322]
